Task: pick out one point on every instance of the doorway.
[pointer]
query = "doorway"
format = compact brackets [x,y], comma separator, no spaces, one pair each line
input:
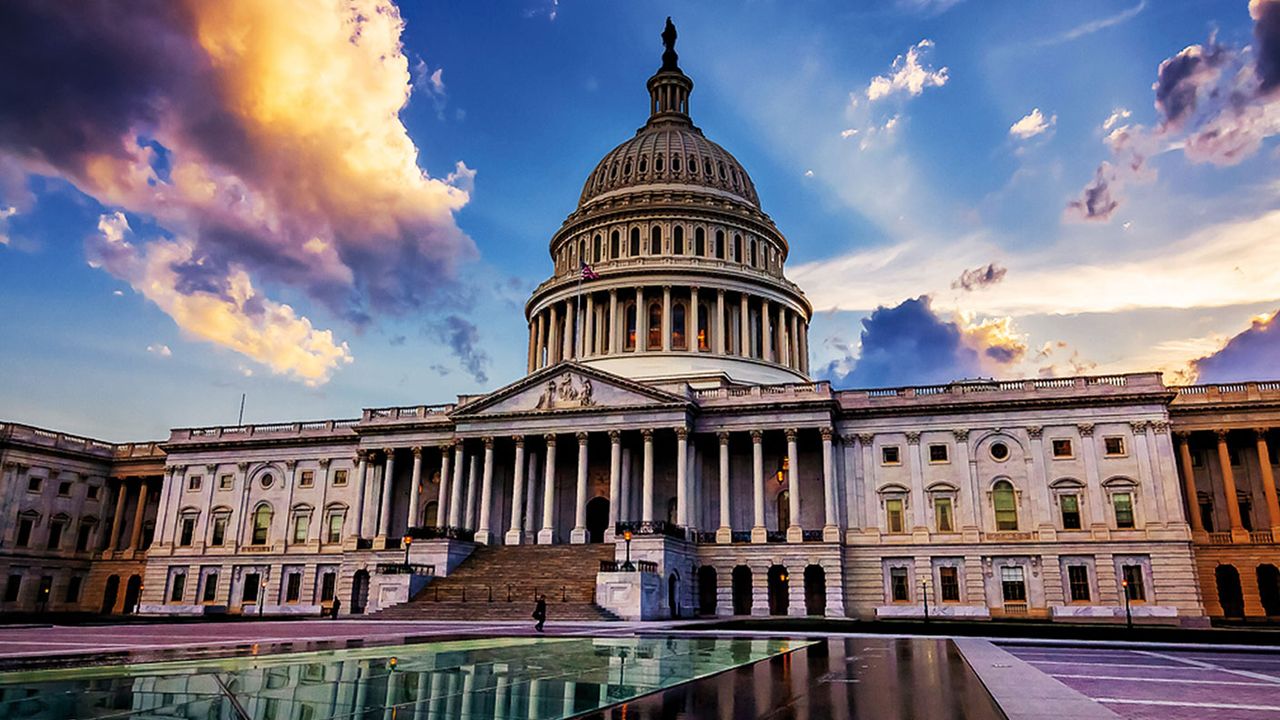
[359,592]
[1230,595]
[1269,589]
[779,590]
[706,590]
[673,594]
[109,594]
[784,510]
[132,593]
[815,590]
[742,590]
[597,519]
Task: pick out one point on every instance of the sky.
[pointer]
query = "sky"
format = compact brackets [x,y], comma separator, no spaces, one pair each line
[331,205]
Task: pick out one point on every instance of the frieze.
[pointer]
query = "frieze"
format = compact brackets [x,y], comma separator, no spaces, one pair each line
[565,392]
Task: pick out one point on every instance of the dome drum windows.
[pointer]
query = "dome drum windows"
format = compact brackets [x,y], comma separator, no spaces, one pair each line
[629,342]
[634,250]
[677,240]
[678,320]
[700,242]
[657,163]
[654,341]
[655,240]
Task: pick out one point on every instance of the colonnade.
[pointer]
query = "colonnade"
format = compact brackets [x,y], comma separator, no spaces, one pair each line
[139,516]
[666,319]
[1222,456]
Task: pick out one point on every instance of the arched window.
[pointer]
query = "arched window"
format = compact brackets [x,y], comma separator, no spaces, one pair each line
[1005,503]
[615,242]
[655,240]
[595,251]
[657,164]
[706,166]
[644,165]
[700,242]
[630,313]
[677,240]
[704,317]
[655,326]
[261,524]
[737,247]
[751,252]
[675,163]
[626,168]
[677,327]
[719,245]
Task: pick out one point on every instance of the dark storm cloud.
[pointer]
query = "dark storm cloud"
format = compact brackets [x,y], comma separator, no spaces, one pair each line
[463,339]
[1096,201]
[1266,43]
[1252,355]
[980,277]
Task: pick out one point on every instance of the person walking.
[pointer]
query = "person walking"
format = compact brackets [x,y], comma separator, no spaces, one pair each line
[540,612]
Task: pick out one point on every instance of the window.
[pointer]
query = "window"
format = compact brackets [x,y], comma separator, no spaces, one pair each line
[64,489]
[1012,584]
[34,484]
[719,245]
[615,245]
[72,594]
[1206,514]
[1062,448]
[1123,504]
[12,588]
[677,240]
[655,240]
[226,481]
[999,451]
[178,588]
[1233,456]
[82,536]
[267,481]
[328,586]
[938,453]
[194,482]
[942,514]
[655,326]
[1070,506]
[677,326]
[890,455]
[629,319]
[898,585]
[55,534]
[949,584]
[893,515]
[187,530]
[25,524]
[1113,446]
[92,492]
[301,522]
[1078,582]
[634,250]
[1005,502]
[1246,513]
[210,588]
[339,478]
[293,587]
[700,242]
[1133,584]
[308,479]
[334,530]
[249,593]
[703,323]
[261,524]
[219,535]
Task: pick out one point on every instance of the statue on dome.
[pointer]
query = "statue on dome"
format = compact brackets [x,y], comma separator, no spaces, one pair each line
[669,57]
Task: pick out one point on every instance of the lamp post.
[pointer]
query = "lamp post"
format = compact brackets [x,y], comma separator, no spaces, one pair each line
[626,564]
[924,590]
[407,540]
[1128,614]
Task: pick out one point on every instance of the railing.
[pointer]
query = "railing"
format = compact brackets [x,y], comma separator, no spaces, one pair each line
[408,412]
[239,432]
[988,385]
[822,388]
[1009,536]
[644,566]
[255,548]
[1015,608]
[811,535]
[442,533]
[40,436]
[740,536]
[704,536]
[364,543]
[653,527]
[1251,390]
[1261,537]
[406,569]
[1220,538]
[485,594]
[775,536]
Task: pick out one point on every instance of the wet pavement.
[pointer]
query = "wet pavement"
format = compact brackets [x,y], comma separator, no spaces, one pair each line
[1153,683]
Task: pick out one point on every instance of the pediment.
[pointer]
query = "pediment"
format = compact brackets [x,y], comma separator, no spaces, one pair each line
[568,387]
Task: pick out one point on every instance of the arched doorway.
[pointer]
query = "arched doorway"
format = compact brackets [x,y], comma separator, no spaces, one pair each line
[432,514]
[359,592]
[784,510]
[132,592]
[110,593]
[742,599]
[597,519]
[815,590]
[1269,589]
[1230,596]
[673,594]
[779,590]
[706,590]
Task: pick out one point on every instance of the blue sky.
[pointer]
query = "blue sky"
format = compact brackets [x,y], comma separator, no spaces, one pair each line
[238,208]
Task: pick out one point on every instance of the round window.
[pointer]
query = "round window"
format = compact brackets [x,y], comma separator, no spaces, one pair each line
[999,451]
[267,480]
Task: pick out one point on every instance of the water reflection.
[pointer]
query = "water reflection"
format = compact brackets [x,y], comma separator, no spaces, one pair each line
[525,678]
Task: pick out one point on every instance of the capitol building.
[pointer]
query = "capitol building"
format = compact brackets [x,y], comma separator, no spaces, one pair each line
[668,454]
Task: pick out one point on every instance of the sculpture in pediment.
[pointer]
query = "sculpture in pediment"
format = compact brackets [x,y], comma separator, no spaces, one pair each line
[565,392]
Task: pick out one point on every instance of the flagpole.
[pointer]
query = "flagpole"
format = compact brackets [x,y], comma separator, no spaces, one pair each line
[577,312]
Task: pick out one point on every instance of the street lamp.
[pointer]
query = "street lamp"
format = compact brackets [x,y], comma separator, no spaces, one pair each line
[924,590]
[1128,615]
[626,564]
[407,540]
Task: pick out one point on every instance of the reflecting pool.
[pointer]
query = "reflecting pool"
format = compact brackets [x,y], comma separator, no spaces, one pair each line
[526,678]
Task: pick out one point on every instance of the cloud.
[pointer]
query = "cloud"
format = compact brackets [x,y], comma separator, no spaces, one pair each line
[265,135]
[907,75]
[928,7]
[1052,363]
[1254,354]
[980,277]
[910,344]
[5,214]
[431,83]
[160,349]
[1093,26]
[1032,124]
[224,308]
[463,339]
[1114,119]
[1214,102]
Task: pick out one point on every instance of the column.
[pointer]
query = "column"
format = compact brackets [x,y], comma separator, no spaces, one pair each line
[724,533]
[538,361]
[719,323]
[113,543]
[414,490]
[758,532]
[553,335]
[1238,533]
[1183,440]
[473,482]
[795,341]
[442,493]
[625,511]
[515,534]
[388,476]
[831,529]
[766,332]
[785,340]
[682,477]
[744,328]
[455,488]
[546,533]
[533,333]
[589,328]
[531,493]
[646,486]
[139,514]
[483,535]
[1268,480]
[579,534]
[613,345]
[642,322]
[666,318]
[691,321]
[615,482]
[804,348]
[1043,516]
[362,476]
[567,347]
[794,532]
[1097,510]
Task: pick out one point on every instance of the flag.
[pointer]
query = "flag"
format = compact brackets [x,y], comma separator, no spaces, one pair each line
[588,273]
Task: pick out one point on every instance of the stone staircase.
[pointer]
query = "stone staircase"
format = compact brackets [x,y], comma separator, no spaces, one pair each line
[500,582]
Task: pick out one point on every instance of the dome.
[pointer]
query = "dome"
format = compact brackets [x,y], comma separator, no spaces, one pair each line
[669,153]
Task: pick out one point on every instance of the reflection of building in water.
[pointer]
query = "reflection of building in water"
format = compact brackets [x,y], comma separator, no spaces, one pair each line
[668,389]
